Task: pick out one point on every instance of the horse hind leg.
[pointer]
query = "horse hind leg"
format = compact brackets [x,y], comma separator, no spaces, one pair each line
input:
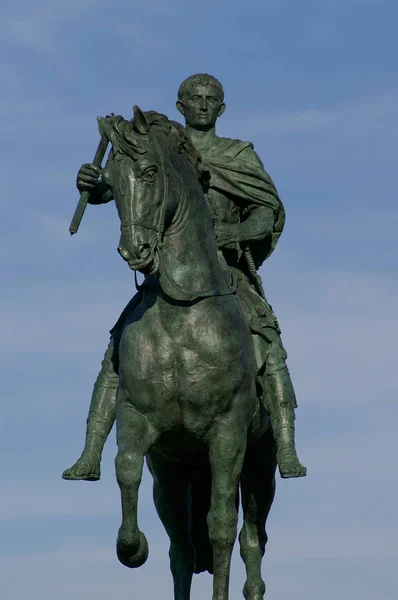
[257,494]
[200,506]
[171,493]
[227,449]
[134,438]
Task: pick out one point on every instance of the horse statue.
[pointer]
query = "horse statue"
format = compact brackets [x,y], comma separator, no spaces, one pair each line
[187,397]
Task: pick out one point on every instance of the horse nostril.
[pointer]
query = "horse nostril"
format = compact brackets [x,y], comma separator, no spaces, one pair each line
[144,250]
[124,253]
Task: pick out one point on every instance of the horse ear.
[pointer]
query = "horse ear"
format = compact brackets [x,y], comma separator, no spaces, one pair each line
[140,122]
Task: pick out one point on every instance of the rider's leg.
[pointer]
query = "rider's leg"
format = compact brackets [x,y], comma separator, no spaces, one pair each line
[100,418]
[280,402]
[101,415]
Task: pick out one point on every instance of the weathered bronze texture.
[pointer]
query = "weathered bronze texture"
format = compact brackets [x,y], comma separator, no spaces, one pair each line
[195,373]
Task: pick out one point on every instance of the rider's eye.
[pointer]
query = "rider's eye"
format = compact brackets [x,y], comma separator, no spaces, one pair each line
[150,175]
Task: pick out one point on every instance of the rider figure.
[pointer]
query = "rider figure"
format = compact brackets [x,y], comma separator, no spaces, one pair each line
[248,218]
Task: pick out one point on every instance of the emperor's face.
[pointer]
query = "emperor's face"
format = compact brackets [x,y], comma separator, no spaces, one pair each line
[201,107]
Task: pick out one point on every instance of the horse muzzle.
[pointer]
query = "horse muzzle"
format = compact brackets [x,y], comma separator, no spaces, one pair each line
[147,262]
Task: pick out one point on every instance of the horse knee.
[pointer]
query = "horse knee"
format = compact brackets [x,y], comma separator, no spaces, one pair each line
[222,524]
[252,539]
[129,466]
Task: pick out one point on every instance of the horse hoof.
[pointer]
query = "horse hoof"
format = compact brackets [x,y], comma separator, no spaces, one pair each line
[128,557]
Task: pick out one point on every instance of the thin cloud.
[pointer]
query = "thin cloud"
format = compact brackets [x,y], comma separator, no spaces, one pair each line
[363,118]
[38,29]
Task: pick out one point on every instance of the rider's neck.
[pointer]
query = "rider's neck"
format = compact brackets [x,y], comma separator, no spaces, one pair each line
[201,138]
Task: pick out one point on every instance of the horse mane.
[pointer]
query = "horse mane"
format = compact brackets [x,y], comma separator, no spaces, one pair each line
[131,144]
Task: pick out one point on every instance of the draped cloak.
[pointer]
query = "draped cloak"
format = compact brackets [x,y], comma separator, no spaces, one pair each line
[237,171]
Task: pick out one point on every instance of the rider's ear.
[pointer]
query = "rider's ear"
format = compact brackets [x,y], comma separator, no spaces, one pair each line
[140,123]
[180,107]
[221,109]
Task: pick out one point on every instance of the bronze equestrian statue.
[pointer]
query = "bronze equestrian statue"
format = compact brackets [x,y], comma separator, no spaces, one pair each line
[195,371]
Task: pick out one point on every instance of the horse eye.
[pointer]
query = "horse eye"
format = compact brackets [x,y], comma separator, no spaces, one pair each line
[150,174]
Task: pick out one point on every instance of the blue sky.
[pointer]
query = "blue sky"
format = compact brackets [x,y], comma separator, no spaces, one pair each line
[314,85]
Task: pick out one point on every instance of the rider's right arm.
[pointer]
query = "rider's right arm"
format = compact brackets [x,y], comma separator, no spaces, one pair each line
[100,194]
[88,179]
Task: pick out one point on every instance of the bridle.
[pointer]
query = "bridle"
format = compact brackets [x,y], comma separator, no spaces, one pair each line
[160,229]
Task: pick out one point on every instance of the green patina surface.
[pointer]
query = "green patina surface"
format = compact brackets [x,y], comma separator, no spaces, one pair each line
[195,372]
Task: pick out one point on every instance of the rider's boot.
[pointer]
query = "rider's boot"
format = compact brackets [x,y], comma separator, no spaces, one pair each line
[101,416]
[100,420]
[280,402]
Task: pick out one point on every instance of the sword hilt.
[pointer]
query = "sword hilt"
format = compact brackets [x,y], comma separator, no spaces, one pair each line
[255,277]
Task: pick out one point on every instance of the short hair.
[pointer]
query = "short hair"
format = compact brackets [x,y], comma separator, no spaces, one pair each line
[200,79]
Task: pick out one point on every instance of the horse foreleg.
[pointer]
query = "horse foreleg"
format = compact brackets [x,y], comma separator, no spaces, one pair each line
[257,494]
[172,500]
[227,449]
[134,438]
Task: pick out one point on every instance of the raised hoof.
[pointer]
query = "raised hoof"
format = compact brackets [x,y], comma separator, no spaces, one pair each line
[127,556]
[86,469]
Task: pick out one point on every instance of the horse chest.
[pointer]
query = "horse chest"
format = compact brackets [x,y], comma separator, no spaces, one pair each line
[174,360]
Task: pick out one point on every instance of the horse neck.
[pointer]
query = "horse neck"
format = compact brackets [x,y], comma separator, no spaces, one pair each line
[189,254]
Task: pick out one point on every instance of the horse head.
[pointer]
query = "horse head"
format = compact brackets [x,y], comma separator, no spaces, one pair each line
[137,173]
